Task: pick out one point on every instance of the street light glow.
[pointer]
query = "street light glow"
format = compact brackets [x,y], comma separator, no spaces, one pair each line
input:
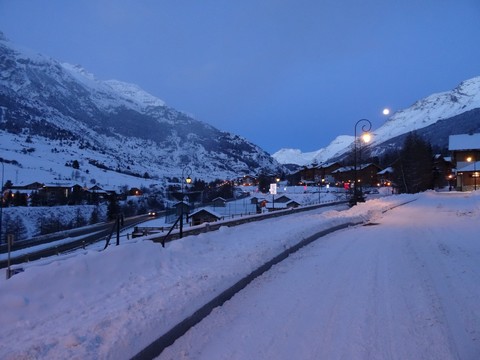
[366,137]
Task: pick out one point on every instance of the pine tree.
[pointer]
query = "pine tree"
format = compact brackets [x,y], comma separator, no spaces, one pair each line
[414,167]
[15,227]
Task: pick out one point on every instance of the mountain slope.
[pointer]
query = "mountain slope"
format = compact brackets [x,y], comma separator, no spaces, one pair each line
[434,118]
[131,131]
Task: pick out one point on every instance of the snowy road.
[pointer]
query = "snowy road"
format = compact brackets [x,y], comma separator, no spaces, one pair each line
[406,288]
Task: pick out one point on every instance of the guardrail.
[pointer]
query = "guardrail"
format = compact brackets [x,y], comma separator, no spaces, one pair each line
[212,226]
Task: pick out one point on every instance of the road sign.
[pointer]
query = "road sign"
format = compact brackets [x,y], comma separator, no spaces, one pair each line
[273,189]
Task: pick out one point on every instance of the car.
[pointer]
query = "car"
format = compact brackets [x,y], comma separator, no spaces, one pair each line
[152,213]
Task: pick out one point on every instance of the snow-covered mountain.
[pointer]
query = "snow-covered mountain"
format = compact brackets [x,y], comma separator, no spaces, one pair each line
[428,116]
[295,156]
[52,114]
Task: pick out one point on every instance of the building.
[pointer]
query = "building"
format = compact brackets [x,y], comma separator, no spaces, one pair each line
[465,149]
[203,216]
[367,174]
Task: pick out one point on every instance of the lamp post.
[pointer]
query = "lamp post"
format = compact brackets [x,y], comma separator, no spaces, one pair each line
[470,159]
[187,171]
[366,137]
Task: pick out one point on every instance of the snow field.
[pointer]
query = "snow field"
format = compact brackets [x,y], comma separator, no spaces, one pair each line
[381,291]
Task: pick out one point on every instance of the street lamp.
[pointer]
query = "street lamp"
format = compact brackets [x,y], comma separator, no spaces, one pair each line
[470,159]
[187,171]
[357,196]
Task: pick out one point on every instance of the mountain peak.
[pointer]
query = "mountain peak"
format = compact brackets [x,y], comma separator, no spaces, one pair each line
[423,113]
[111,126]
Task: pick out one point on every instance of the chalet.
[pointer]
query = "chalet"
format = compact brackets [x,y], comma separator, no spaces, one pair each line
[315,174]
[367,174]
[248,180]
[272,206]
[282,199]
[219,202]
[203,216]
[385,176]
[182,207]
[32,186]
[56,193]
[326,170]
[465,150]
[135,192]
[442,171]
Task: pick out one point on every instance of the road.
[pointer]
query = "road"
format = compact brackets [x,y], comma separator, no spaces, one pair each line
[404,288]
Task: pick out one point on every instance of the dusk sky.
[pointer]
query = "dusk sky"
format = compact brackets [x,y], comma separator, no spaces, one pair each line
[283,74]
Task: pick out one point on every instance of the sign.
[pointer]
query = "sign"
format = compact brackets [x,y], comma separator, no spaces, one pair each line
[273,189]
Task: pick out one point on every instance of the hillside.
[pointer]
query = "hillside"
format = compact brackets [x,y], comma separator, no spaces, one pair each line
[52,114]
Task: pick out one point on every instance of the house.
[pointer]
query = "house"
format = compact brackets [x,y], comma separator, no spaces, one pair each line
[135,192]
[274,205]
[326,170]
[248,180]
[292,204]
[219,202]
[204,215]
[315,174]
[282,199]
[367,174]
[442,171]
[182,208]
[465,150]
[385,176]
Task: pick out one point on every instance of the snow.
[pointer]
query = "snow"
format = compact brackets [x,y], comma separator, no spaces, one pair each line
[405,288]
[423,113]
[464,142]
[296,156]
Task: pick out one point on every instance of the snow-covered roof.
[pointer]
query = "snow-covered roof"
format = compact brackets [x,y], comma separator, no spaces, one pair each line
[351,168]
[208,210]
[464,142]
[386,171]
[472,166]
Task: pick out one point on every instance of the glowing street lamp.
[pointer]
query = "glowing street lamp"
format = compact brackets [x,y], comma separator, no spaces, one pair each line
[187,171]
[366,137]
[470,159]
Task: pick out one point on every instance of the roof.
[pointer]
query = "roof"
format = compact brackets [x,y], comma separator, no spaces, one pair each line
[352,168]
[387,170]
[207,210]
[473,166]
[464,142]
[327,165]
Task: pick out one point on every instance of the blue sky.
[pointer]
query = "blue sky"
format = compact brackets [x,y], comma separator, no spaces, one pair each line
[283,74]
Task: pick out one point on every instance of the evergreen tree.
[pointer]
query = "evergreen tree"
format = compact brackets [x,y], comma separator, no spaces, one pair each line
[414,167]
[263,183]
[79,219]
[16,227]
[94,217]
